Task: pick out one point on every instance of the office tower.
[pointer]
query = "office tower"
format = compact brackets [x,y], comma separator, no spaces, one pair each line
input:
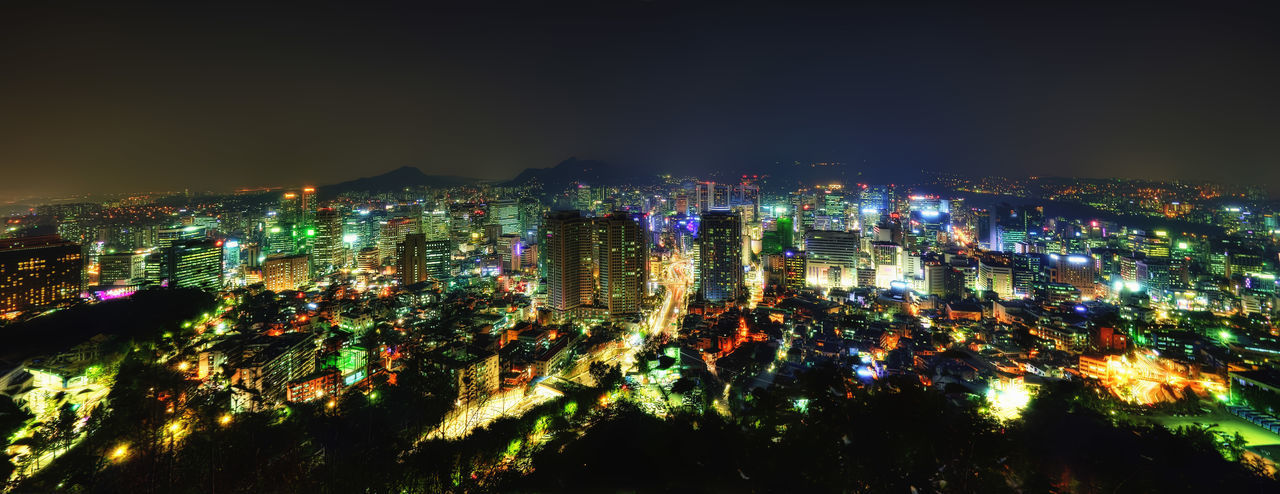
[411,259]
[506,214]
[720,257]
[167,237]
[278,235]
[38,272]
[568,261]
[121,268]
[391,234]
[508,246]
[711,196]
[195,264]
[290,210]
[328,252]
[464,219]
[285,272]
[308,204]
[368,259]
[231,253]
[935,279]
[530,218]
[1079,270]
[1027,269]
[794,268]
[1153,244]
[996,274]
[623,261]
[831,258]
[438,260]
[886,257]
[780,238]
[435,224]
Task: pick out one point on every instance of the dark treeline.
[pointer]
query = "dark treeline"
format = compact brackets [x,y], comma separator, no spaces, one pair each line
[890,437]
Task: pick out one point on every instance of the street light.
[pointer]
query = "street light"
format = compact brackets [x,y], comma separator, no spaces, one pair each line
[224,419]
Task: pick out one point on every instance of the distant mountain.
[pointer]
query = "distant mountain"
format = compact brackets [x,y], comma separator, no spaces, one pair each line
[590,172]
[405,176]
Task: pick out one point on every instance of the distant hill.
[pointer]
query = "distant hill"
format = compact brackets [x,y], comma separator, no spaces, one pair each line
[590,172]
[405,176]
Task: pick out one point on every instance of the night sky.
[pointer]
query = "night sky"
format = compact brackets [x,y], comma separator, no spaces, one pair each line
[174,95]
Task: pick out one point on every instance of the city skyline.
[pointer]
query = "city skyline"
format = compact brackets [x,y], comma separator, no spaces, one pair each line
[639,246]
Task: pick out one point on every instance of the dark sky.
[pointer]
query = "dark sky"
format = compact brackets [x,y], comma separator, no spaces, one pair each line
[231,94]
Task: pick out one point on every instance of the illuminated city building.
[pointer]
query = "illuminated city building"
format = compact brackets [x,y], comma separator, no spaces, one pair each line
[623,256]
[996,274]
[285,272]
[38,272]
[795,269]
[390,236]
[411,259]
[831,258]
[328,252]
[474,369]
[122,268]
[437,260]
[568,261]
[720,257]
[195,264]
[1077,270]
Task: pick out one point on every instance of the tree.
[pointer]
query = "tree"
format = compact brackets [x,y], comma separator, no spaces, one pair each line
[606,376]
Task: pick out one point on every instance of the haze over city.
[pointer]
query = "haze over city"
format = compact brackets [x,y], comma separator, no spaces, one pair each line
[218,96]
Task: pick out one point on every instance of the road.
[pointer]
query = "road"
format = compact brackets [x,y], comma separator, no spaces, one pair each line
[674,275]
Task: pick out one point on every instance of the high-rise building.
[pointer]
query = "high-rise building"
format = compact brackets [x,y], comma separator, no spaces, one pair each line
[438,257]
[121,268]
[195,264]
[308,203]
[1078,270]
[411,259]
[167,237]
[794,268]
[38,272]
[506,213]
[568,261]
[720,257]
[328,252]
[285,272]
[623,263]
[290,210]
[886,257]
[391,234]
[368,259]
[831,258]
[435,224]
[935,279]
[996,274]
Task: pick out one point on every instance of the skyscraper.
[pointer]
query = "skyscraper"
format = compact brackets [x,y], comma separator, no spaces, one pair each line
[996,274]
[121,268]
[439,255]
[38,272]
[285,272]
[720,257]
[832,258]
[195,264]
[568,255]
[411,259]
[623,260]
[328,251]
